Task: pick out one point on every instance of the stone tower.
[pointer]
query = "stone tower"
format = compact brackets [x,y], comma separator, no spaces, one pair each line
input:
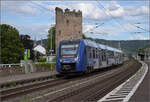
[68,25]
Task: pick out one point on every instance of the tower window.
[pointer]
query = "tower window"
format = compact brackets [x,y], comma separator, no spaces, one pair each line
[67,22]
[59,32]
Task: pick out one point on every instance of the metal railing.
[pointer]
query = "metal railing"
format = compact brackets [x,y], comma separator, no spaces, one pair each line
[20,64]
[9,65]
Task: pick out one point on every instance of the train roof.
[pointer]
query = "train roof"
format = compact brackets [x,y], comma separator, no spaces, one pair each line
[94,44]
[101,46]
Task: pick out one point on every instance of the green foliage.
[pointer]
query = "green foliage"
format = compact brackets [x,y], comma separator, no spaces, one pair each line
[42,60]
[54,59]
[50,66]
[83,36]
[14,84]
[128,46]
[12,50]
[141,50]
[54,77]
[51,38]
[27,99]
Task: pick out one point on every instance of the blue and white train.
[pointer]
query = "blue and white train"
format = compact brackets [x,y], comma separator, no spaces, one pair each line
[78,55]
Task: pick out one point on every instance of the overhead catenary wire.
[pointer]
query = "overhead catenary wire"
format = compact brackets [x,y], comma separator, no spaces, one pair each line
[102,33]
[40,5]
[118,21]
[142,28]
[50,25]
[93,32]
[108,13]
[94,27]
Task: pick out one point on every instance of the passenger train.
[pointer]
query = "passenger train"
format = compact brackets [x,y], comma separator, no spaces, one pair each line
[78,55]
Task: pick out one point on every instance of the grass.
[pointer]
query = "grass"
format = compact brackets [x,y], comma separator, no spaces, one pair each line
[54,76]
[48,65]
[14,84]
[26,99]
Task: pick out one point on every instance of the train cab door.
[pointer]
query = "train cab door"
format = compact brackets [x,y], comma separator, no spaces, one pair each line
[85,57]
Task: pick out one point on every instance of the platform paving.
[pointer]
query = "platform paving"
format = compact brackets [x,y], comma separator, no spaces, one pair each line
[15,78]
[142,94]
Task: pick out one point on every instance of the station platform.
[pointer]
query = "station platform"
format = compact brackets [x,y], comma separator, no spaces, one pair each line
[29,76]
[142,94]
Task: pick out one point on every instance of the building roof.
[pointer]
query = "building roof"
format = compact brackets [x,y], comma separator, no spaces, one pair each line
[40,49]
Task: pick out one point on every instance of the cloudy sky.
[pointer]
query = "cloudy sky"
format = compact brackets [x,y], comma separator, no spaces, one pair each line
[111,20]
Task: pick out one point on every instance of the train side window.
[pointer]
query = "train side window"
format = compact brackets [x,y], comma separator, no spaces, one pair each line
[85,51]
[89,52]
[93,53]
[104,55]
[96,53]
[100,55]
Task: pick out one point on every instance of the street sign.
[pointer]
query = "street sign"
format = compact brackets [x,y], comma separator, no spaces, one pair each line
[51,50]
[27,54]
[28,51]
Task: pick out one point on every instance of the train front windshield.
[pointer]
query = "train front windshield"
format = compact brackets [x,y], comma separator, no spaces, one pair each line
[69,50]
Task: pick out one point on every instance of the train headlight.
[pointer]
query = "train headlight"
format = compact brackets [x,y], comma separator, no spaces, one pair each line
[76,59]
[60,60]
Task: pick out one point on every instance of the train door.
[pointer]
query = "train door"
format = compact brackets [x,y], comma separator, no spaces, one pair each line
[99,58]
[96,58]
[85,58]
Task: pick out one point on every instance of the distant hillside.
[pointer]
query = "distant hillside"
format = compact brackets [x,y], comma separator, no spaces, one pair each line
[128,46]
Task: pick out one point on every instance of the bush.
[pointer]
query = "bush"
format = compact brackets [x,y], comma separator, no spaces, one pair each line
[54,59]
[42,60]
[45,65]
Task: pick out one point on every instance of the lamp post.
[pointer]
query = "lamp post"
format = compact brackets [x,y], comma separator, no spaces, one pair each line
[51,49]
[51,38]
[51,44]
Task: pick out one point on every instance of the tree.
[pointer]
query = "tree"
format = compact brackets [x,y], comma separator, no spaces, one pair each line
[83,36]
[12,50]
[51,38]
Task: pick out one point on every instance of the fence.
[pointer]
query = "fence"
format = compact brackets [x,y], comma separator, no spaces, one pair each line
[10,65]
[26,67]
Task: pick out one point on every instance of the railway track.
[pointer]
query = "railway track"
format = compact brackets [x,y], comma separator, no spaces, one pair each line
[25,89]
[96,90]
[11,93]
[107,87]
